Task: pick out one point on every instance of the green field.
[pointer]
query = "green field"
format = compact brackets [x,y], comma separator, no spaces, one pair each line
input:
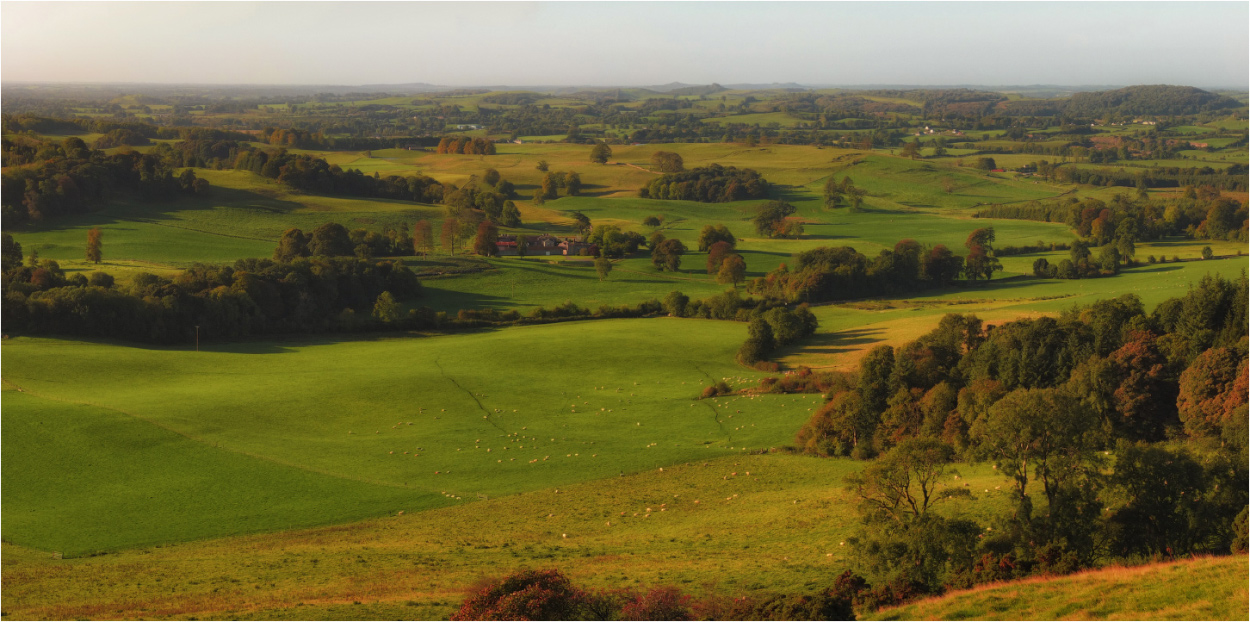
[410,417]
[365,476]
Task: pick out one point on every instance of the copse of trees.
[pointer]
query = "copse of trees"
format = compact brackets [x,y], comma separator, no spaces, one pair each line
[1200,213]
[334,240]
[612,242]
[843,194]
[465,145]
[253,297]
[1137,377]
[710,184]
[69,178]
[825,273]
[777,327]
[772,220]
[119,137]
[1043,400]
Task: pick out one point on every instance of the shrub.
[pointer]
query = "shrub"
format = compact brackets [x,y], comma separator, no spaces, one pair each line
[661,603]
[720,388]
[523,595]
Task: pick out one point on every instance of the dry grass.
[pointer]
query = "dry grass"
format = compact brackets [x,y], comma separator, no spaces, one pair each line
[1203,588]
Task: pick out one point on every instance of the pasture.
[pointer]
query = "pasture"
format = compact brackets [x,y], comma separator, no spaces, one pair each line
[389,424]
[698,524]
[354,476]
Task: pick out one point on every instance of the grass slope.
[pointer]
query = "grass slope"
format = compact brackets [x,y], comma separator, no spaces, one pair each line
[489,413]
[730,524]
[82,478]
[1211,588]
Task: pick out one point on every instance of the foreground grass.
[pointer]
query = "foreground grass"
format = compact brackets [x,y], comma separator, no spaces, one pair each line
[1210,588]
[732,525]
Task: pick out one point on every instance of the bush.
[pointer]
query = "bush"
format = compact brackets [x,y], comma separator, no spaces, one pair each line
[524,595]
[720,388]
[661,603]
[818,606]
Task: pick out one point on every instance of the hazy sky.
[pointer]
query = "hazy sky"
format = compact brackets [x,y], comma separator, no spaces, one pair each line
[627,43]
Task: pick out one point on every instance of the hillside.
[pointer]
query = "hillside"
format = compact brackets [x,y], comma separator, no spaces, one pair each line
[1205,588]
[1159,99]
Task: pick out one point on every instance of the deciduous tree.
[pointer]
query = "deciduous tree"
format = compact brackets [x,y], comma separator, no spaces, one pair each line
[600,153]
[95,245]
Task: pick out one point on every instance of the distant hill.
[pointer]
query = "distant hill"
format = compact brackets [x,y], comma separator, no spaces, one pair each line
[1160,99]
[1206,588]
[699,90]
[774,86]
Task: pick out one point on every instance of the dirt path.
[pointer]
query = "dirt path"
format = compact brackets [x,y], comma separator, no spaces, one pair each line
[637,167]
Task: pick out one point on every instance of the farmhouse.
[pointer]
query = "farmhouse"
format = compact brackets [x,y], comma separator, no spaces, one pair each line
[544,245]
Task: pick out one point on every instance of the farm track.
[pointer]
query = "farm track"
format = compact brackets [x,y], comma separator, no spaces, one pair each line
[206,442]
[637,167]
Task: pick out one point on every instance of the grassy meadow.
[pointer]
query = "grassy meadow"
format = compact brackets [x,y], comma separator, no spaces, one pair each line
[698,524]
[366,476]
[402,423]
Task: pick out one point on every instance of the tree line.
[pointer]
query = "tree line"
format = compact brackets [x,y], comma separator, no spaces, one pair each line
[825,273]
[252,297]
[66,178]
[1200,213]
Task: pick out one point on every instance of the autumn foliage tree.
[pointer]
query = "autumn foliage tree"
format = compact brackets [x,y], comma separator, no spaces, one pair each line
[716,254]
[95,245]
[486,242]
[732,270]
[1212,390]
[422,237]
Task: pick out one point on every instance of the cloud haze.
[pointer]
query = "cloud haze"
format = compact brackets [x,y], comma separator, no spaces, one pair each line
[627,43]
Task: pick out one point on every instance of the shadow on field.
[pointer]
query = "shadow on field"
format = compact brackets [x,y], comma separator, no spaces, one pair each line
[451,301]
[130,210]
[810,235]
[595,190]
[836,342]
[1153,269]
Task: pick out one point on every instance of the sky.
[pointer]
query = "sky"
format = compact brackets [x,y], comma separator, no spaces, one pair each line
[1205,44]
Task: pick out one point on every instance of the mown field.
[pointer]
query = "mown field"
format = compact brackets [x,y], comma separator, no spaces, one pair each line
[1209,588]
